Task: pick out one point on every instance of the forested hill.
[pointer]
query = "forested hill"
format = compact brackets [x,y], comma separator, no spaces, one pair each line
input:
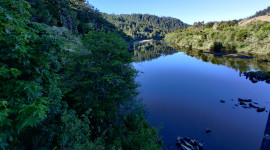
[261,13]
[79,16]
[144,26]
[67,81]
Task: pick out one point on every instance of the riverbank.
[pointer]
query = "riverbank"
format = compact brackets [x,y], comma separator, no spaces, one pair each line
[235,54]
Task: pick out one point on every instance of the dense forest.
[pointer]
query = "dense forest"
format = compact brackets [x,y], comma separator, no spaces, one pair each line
[67,81]
[225,36]
[144,26]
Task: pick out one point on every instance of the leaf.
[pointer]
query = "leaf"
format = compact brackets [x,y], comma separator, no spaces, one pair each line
[30,115]
[15,72]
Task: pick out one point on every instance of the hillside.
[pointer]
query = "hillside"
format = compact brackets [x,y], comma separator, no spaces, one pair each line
[223,37]
[259,18]
[251,35]
[263,15]
[265,12]
[144,26]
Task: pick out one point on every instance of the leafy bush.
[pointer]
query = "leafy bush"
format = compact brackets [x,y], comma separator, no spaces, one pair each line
[217,47]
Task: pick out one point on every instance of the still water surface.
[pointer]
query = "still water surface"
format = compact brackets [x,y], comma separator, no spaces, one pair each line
[182,92]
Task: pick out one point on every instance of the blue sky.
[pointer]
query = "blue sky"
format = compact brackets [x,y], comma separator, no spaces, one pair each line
[189,11]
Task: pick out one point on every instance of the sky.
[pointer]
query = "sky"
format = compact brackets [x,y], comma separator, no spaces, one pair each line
[189,11]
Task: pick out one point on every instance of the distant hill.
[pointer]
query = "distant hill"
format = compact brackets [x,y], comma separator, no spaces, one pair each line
[265,12]
[259,18]
[263,15]
[144,26]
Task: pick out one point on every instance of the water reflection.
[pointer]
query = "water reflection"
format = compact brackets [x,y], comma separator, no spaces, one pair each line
[238,64]
[151,50]
[184,91]
[256,76]
[252,69]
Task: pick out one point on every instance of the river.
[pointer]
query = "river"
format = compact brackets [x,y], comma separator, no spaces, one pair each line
[182,90]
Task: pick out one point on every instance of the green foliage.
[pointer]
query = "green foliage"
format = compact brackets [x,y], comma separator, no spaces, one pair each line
[70,88]
[76,15]
[101,78]
[252,38]
[29,62]
[145,26]
[76,133]
[242,34]
[217,47]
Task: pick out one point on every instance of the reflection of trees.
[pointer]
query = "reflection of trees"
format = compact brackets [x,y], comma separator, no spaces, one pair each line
[244,66]
[256,76]
[238,64]
[149,51]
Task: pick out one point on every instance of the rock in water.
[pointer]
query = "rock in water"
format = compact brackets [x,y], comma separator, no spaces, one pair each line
[193,143]
[178,144]
[244,100]
[187,139]
[252,105]
[222,101]
[245,106]
[188,145]
[200,146]
[207,130]
[242,103]
[185,148]
[260,109]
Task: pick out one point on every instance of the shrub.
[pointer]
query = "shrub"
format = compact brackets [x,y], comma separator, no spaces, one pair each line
[230,47]
[217,47]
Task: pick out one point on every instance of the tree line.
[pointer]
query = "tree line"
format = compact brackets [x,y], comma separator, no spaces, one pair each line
[145,26]
[225,36]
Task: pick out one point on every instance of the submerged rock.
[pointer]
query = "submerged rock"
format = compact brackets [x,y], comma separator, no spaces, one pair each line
[200,146]
[207,130]
[242,103]
[244,100]
[260,109]
[193,143]
[222,101]
[252,105]
[245,106]
[187,139]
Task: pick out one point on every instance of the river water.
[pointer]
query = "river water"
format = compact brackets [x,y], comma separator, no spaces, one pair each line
[182,91]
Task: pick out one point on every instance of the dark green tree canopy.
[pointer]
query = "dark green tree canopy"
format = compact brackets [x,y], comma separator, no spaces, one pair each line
[144,26]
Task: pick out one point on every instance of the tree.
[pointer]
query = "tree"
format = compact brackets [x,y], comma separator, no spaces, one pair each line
[29,95]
